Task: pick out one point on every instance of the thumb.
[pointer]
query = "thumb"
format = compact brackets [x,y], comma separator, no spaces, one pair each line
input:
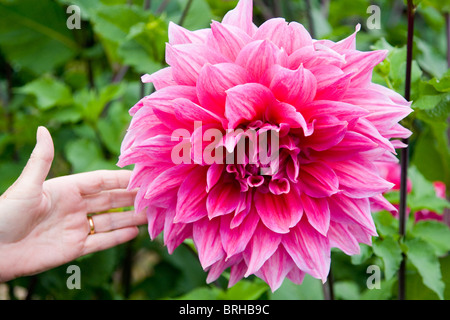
[40,162]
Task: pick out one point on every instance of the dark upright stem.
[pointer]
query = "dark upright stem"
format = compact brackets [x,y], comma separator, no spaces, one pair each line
[185,12]
[328,291]
[405,152]
[312,30]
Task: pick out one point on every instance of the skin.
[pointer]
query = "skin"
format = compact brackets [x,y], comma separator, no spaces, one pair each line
[43,224]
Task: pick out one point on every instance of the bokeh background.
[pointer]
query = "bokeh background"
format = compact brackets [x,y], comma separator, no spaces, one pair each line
[80,84]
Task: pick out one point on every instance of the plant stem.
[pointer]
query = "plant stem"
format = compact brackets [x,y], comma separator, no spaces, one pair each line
[162,7]
[147,4]
[312,30]
[328,291]
[405,152]
[276,8]
[185,12]
[265,10]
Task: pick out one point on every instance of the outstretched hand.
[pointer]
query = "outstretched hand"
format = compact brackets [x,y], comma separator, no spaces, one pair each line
[43,224]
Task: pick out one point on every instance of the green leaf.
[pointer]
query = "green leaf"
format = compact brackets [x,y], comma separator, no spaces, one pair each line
[244,290]
[112,128]
[435,233]
[29,30]
[48,91]
[365,253]
[390,252]
[91,104]
[199,15]
[423,194]
[310,289]
[85,155]
[346,290]
[426,152]
[201,294]
[423,257]
[386,224]
[384,293]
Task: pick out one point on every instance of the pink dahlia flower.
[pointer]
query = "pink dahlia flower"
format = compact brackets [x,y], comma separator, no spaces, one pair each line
[324,123]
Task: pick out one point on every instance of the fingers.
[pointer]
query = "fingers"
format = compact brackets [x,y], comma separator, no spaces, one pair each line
[118,220]
[112,229]
[111,199]
[106,240]
[40,162]
[101,180]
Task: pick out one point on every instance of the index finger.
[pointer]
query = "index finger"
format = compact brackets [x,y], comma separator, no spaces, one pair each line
[101,180]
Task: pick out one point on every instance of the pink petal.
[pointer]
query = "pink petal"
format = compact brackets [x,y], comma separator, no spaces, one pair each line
[207,241]
[188,112]
[242,210]
[235,240]
[155,218]
[191,204]
[310,57]
[213,175]
[318,213]
[175,233]
[180,35]
[275,269]
[358,180]
[318,180]
[348,43]
[343,111]
[160,79]
[259,56]
[261,247]
[284,113]
[281,212]
[366,128]
[352,211]
[247,102]
[296,87]
[309,249]
[227,39]
[214,81]
[241,16]
[341,237]
[328,132]
[167,180]
[290,36]
[237,273]
[222,199]
[352,144]
[187,60]
[378,202]
[217,268]
[332,82]
[296,275]
[361,65]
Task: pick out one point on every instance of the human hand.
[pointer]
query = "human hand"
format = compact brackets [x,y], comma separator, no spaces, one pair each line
[44,224]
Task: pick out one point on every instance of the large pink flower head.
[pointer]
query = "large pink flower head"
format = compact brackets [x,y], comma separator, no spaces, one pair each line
[260,144]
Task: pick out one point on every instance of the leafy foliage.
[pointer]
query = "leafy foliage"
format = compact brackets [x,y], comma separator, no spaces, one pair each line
[80,84]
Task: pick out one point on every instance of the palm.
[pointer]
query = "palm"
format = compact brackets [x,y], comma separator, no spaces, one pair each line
[43,225]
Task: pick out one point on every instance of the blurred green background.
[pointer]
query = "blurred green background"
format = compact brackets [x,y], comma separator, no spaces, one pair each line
[80,84]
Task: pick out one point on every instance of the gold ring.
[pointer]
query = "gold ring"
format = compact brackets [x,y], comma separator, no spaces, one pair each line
[91,225]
